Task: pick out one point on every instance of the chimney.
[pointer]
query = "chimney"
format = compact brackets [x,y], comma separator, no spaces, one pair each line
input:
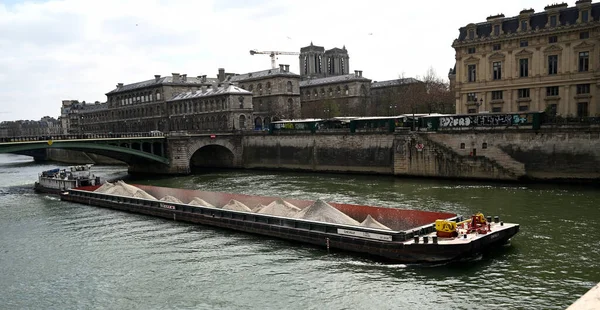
[281,68]
[119,85]
[157,77]
[287,68]
[204,78]
[356,73]
[360,73]
[184,77]
[175,77]
[221,75]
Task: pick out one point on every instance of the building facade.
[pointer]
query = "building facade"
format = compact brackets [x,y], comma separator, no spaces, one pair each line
[141,106]
[343,95]
[46,126]
[218,108]
[276,94]
[546,61]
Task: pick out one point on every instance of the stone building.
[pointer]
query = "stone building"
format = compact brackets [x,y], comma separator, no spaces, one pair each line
[395,97]
[343,95]
[276,94]
[546,61]
[141,106]
[216,108]
[316,62]
[47,126]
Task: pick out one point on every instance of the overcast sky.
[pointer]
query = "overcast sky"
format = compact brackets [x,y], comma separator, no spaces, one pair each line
[78,49]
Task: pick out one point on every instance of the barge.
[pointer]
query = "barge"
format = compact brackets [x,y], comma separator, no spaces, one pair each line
[388,234]
[55,181]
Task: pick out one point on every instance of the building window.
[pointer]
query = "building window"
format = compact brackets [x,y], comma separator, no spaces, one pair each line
[497,70]
[523,93]
[583,89]
[472,73]
[552,39]
[346,90]
[497,95]
[524,43]
[496,47]
[320,64]
[553,20]
[471,97]
[471,50]
[342,66]
[484,145]
[523,108]
[471,34]
[582,109]
[496,30]
[496,109]
[462,145]
[289,87]
[552,64]
[552,91]
[524,67]
[584,61]
[523,25]
[584,35]
[584,16]
[471,111]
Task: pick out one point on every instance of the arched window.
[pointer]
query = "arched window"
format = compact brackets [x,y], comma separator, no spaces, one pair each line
[346,90]
[242,123]
[259,87]
[267,122]
[322,92]
[330,91]
[157,96]
[315,93]
[251,87]
[338,91]
[257,123]
[268,87]
[289,87]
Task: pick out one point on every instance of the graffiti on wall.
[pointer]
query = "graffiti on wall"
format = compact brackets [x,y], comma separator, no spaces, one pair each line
[486,120]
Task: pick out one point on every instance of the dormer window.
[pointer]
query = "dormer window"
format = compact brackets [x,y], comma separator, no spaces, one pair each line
[523,25]
[471,34]
[553,21]
[496,30]
[585,16]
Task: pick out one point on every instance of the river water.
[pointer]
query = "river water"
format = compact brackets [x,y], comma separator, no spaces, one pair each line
[59,255]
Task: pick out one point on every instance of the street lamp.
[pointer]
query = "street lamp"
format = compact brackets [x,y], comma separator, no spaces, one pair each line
[480,103]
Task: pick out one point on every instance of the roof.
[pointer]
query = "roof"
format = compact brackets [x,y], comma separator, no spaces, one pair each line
[166,80]
[337,50]
[260,75]
[396,82]
[231,89]
[312,47]
[333,79]
[567,16]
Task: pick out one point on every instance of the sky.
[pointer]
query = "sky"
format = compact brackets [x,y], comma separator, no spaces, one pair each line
[79,50]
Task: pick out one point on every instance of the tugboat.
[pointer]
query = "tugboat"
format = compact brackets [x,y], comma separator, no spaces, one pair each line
[58,180]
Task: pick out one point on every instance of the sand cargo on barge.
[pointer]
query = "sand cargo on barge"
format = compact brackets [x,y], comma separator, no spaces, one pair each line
[396,235]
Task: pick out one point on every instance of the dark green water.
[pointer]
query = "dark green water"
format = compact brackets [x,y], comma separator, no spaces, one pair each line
[58,255]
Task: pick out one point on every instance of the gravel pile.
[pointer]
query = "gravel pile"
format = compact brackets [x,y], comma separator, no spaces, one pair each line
[200,202]
[172,199]
[235,205]
[279,207]
[123,189]
[372,223]
[321,211]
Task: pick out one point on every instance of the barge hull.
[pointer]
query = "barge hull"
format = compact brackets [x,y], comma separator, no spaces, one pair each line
[391,251]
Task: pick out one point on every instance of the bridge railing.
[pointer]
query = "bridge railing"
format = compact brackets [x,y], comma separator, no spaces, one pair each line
[81,136]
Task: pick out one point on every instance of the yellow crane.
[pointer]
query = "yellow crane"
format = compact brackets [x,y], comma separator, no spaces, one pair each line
[273,55]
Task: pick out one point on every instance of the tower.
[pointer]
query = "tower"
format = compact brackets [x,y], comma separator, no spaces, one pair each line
[315,62]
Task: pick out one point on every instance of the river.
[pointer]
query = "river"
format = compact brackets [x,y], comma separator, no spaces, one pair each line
[59,255]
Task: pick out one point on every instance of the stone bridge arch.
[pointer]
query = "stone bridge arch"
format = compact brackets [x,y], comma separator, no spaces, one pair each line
[214,153]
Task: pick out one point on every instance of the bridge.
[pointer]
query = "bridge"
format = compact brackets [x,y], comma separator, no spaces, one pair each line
[545,154]
[131,148]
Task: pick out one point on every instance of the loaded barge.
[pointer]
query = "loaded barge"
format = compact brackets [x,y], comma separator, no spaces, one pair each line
[403,236]
[55,181]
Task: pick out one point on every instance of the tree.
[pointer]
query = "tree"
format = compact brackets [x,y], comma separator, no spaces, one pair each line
[431,94]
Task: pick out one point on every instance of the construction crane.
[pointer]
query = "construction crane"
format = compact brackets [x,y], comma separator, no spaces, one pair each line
[273,55]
